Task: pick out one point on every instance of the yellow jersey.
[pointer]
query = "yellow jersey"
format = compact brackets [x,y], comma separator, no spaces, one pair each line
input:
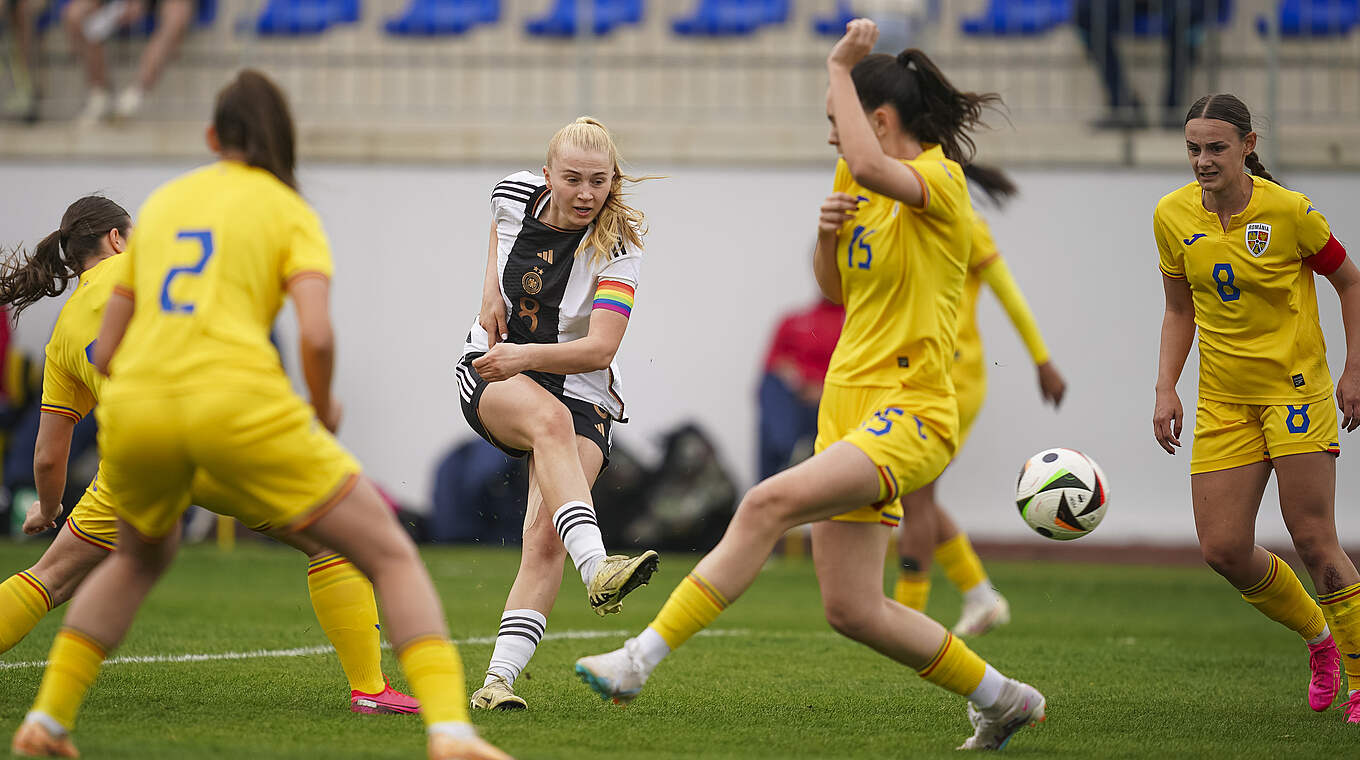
[1260,341]
[71,384]
[208,267]
[902,271]
[985,264]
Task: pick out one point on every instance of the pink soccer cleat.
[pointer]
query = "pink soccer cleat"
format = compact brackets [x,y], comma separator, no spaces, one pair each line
[1325,662]
[1351,707]
[388,701]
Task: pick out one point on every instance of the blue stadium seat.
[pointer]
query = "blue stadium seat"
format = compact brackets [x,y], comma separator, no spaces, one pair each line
[560,20]
[1314,18]
[833,24]
[434,18]
[1019,18]
[730,18]
[293,18]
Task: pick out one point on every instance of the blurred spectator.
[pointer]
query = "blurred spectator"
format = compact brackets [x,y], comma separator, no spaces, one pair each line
[901,23]
[1099,21]
[22,16]
[791,387]
[89,22]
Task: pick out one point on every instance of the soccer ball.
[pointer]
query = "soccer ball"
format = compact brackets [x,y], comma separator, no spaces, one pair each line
[1062,494]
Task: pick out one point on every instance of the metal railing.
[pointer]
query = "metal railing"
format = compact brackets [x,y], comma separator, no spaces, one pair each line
[359,91]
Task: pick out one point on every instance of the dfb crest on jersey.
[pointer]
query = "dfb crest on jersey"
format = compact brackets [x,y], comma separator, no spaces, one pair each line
[1258,238]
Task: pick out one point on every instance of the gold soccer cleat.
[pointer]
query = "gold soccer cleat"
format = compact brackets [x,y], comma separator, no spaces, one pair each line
[616,577]
[497,695]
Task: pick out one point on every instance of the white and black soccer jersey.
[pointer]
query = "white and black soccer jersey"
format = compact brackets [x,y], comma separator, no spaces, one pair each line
[550,290]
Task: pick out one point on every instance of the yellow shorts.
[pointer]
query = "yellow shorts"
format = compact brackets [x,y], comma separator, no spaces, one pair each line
[94,518]
[909,443]
[971,390]
[283,467]
[1232,435]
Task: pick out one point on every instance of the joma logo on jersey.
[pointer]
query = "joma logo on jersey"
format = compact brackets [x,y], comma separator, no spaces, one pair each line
[546,256]
[1258,238]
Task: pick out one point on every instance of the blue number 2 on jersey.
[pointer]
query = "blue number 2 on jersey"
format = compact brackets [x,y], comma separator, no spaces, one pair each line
[860,239]
[205,242]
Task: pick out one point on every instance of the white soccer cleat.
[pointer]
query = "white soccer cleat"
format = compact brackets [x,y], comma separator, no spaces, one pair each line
[616,676]
[1019,705]
[979,618]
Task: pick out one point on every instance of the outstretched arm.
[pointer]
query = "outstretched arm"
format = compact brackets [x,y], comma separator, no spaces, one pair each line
[998,277]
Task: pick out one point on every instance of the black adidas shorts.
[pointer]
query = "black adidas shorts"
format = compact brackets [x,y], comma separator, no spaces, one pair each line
[590,421]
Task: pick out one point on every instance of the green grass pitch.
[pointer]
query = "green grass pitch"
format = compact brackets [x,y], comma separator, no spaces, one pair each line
[1136,662]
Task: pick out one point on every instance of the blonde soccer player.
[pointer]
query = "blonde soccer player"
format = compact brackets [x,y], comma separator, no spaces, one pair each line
[888,248]
[928,532]
[538,376]
[93,230]
[1239,255]
[195,386]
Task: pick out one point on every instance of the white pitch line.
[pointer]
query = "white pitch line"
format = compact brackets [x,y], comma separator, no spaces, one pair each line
[307,651]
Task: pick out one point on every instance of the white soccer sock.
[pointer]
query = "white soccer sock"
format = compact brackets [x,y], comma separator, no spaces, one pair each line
[1321,637]
[575,523]
[650,649]
[456,729]
[981,594]
[987,692]
[520,633]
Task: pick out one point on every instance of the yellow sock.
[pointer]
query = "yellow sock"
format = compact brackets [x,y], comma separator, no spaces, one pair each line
[954,667]
[691,607]
[1280,597]
[435,673]
[24,601]
[912,589]
[1342,609]
[72,666]
[343,600]
[961,564]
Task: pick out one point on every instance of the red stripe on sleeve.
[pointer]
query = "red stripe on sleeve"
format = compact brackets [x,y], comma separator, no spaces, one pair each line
[1329,259]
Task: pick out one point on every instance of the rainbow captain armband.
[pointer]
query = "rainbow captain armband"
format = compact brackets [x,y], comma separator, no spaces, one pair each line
[615,296]
[1329,258]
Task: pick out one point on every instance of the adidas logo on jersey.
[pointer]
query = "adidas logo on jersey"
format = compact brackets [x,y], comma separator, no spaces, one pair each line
[546,256]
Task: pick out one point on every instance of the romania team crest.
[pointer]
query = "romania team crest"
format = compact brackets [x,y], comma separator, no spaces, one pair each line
[1258,238]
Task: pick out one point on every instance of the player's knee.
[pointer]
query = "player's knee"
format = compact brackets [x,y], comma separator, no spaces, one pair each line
[850,614]
[1315,547]
[1228,559]
[554,425]
[764,508]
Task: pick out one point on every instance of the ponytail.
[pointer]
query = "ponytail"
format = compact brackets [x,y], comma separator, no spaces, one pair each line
[998,185]
[62,256]
[617,223]
[251,116]
[1257,168]
[930,108]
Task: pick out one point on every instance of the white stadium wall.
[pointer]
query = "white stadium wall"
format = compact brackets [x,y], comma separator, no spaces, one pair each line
[728,252]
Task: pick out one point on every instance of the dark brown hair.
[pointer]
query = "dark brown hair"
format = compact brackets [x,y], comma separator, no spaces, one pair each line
[251,116]
[1229,108]
[997,184]
[930,108]
[61,256]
